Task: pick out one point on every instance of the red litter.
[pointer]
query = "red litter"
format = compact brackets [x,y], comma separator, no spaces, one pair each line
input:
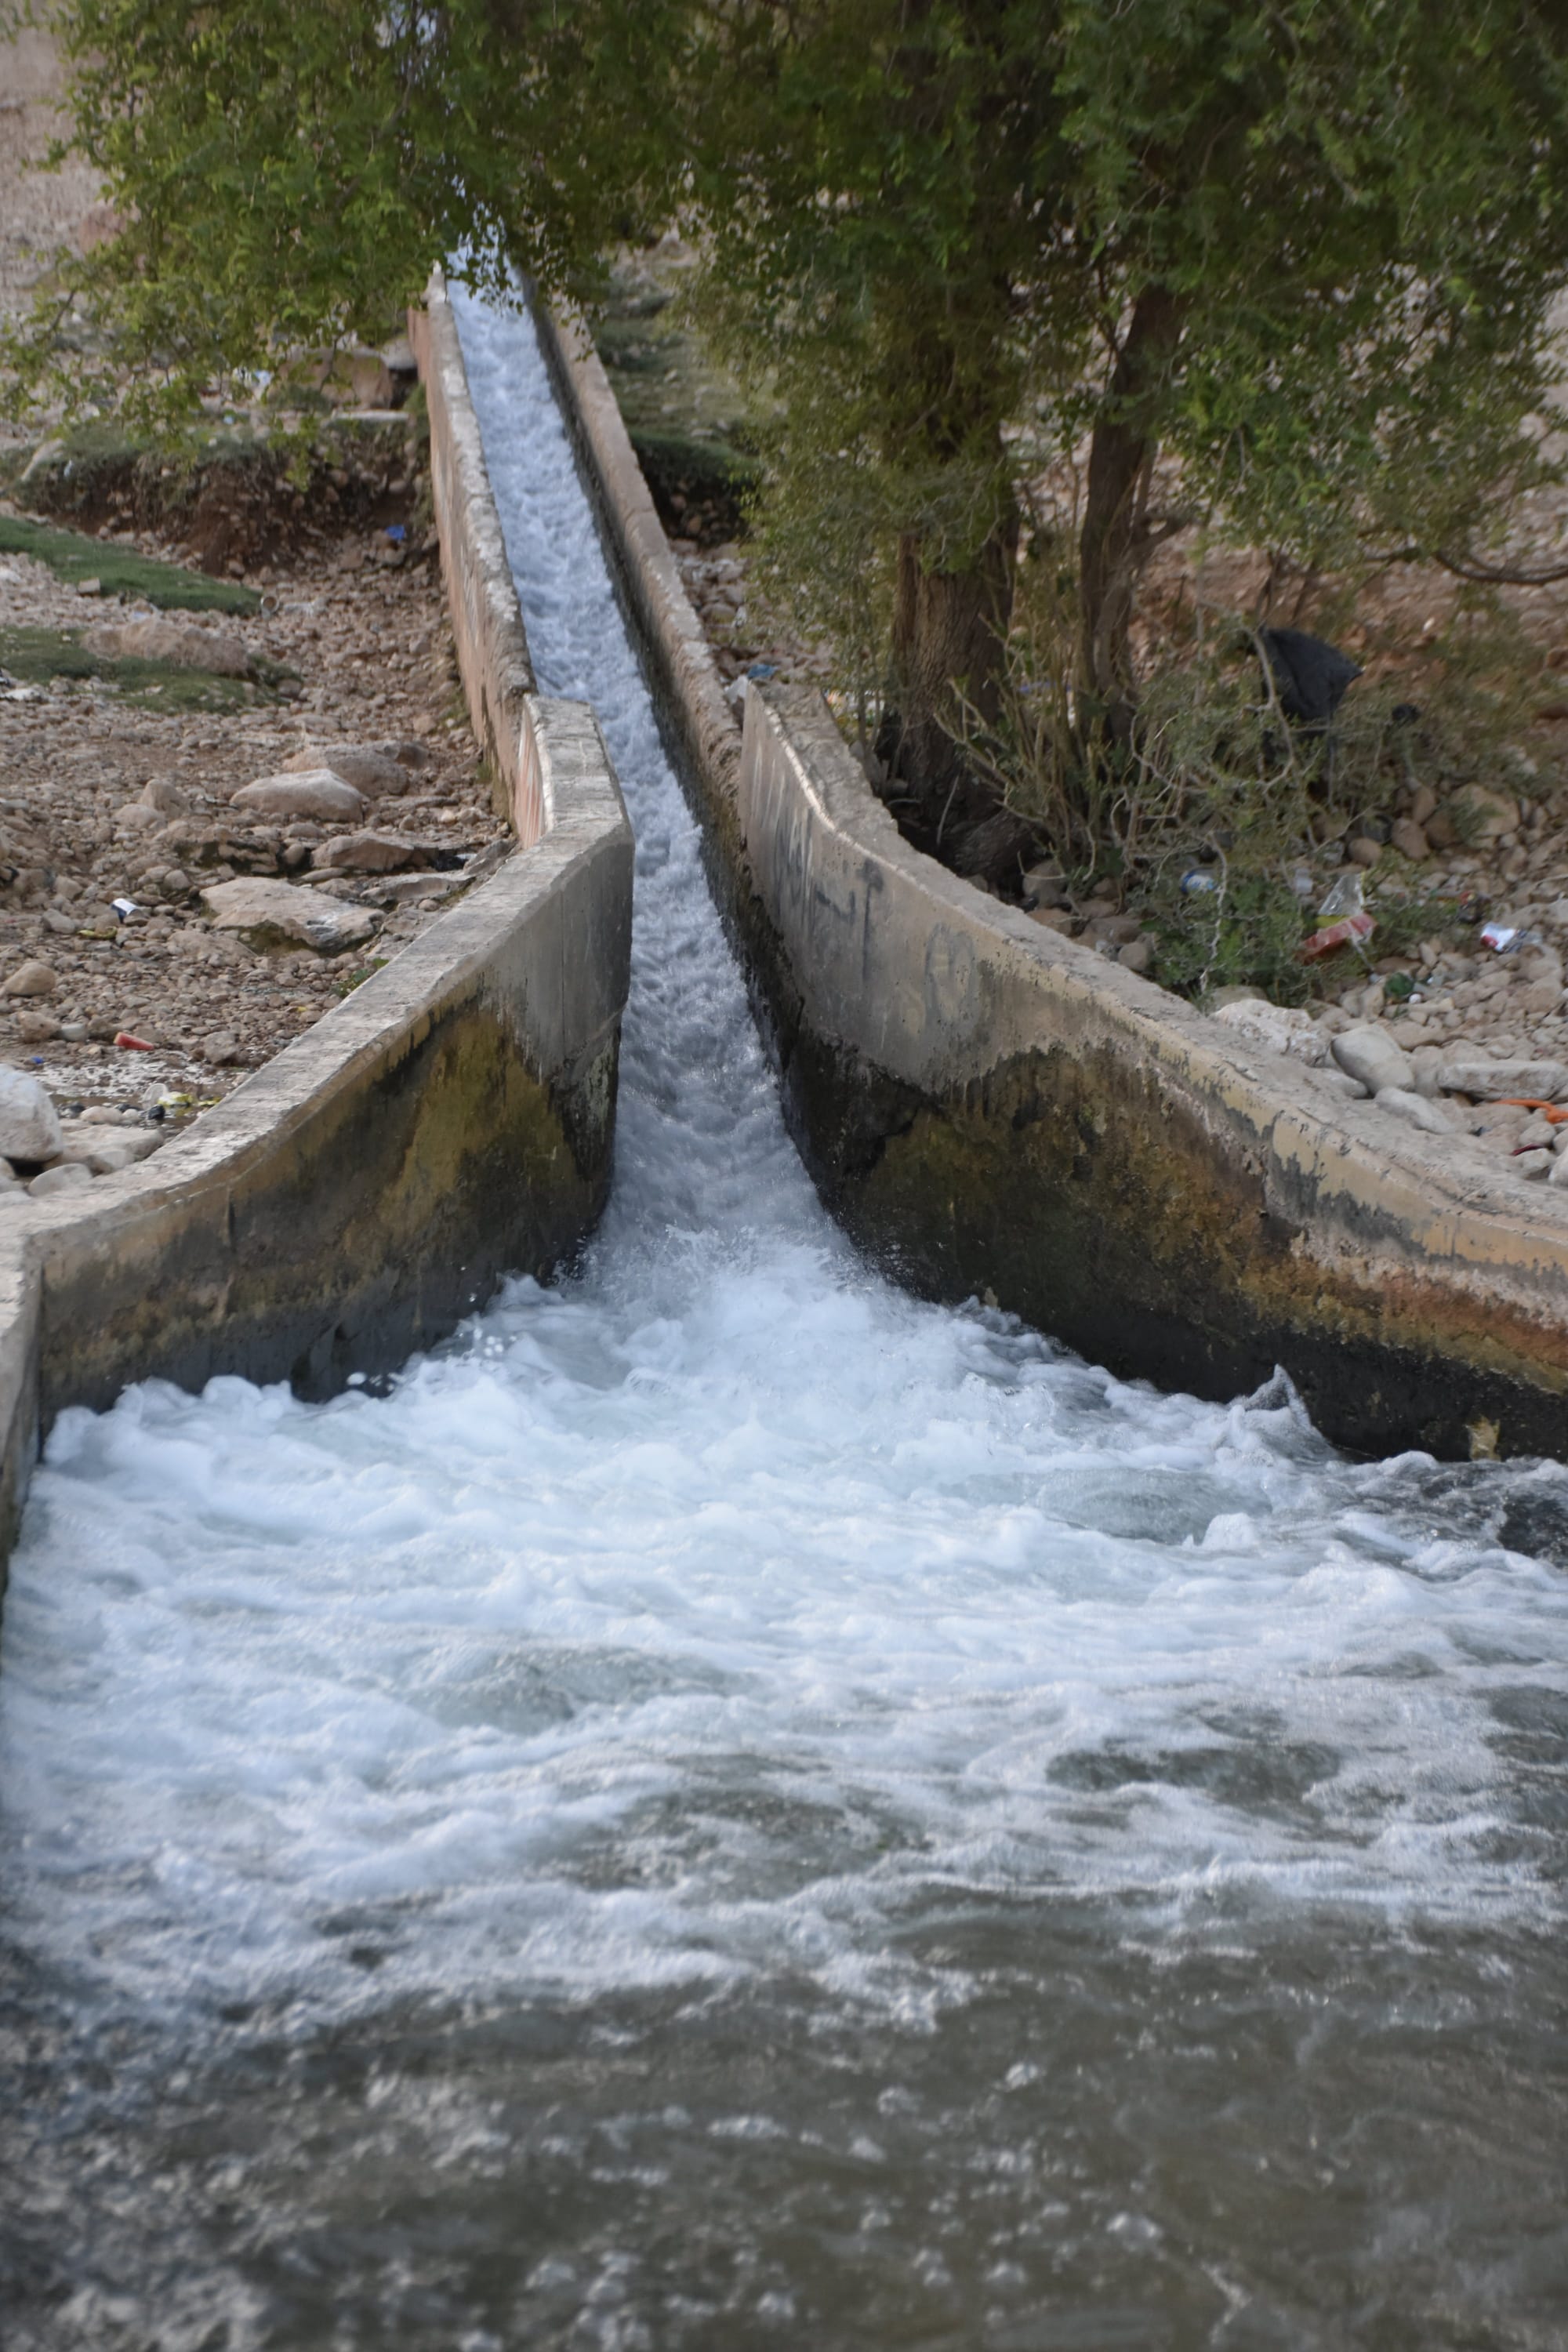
[133,1045]
[1347,932]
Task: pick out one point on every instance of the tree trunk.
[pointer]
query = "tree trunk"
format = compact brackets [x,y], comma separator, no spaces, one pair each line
[949,628]
[1114,542]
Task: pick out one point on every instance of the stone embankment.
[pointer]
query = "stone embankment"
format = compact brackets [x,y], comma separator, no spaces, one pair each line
[996,1109]
[448,1121]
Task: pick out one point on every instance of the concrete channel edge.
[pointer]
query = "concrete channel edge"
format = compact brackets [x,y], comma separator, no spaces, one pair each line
[451,1121]
[994,1111]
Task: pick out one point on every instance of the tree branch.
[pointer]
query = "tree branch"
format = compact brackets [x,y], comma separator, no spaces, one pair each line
[1505,575]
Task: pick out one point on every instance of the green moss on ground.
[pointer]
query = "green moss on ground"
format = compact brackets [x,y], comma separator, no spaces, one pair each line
[37,656]
[72,556]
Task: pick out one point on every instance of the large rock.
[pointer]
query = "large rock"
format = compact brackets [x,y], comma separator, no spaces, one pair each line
[370,852]
[1415,1110]
[1285,1028]
[1371,1055]
[276,914]
[1483,815]
[103,1152]
[218,651]
[316,792]
[1490,1081]
[30,1123]
[139,817]
[371,768]
[71,1176]
[33,979]
[164,793]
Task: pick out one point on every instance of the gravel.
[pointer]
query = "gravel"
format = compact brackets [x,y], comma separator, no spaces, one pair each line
[105,800]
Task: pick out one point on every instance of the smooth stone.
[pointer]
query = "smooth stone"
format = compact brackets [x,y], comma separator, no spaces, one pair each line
[124,1151]
[30,1123]
[1415,1109]
[1046,885]
[67,1176]
[162,793]
[1283,1028]
[220,1049]
[218,651]
[1371,1056]
[369,853]
[1408,1034]
[365,766]
[317,793]
[269,913]
[1343,1084]
[1492,1081]
[1483,815]
[33,979]
[1425,1063]
[1138,955]
[398,888]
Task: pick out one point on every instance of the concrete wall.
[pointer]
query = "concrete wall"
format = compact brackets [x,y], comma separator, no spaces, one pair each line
[993,1110]
[449,1122]
[486,624]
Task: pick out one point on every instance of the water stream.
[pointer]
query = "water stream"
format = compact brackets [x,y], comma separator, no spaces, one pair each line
[732,1808]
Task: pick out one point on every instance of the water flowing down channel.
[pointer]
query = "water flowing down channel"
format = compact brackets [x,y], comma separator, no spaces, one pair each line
[730,1807]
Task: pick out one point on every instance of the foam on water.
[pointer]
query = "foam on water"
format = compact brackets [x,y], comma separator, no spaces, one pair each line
[723,1616]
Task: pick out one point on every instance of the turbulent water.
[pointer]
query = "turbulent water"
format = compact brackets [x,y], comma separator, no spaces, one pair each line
[731,1808]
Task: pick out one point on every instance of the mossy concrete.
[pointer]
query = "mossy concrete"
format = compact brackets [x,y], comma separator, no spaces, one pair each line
[357,1243]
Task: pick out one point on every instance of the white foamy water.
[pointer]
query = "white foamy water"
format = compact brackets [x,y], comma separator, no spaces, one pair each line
[723,1626]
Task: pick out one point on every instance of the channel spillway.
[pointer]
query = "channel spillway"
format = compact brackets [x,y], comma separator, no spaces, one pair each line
[730,1807]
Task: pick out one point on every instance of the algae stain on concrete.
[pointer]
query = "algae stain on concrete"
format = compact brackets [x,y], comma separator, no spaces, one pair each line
[368,1233]
[1074,1193]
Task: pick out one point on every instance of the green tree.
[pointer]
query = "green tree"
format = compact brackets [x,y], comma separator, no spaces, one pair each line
[287,176]
[1309,248]
[1305,247]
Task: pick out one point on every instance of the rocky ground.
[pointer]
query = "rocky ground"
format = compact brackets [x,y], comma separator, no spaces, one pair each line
[1443,1033]
[168,918]
[164,929]
[745,636]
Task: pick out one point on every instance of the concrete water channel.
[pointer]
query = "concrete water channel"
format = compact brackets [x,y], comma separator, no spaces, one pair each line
[727,1806]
